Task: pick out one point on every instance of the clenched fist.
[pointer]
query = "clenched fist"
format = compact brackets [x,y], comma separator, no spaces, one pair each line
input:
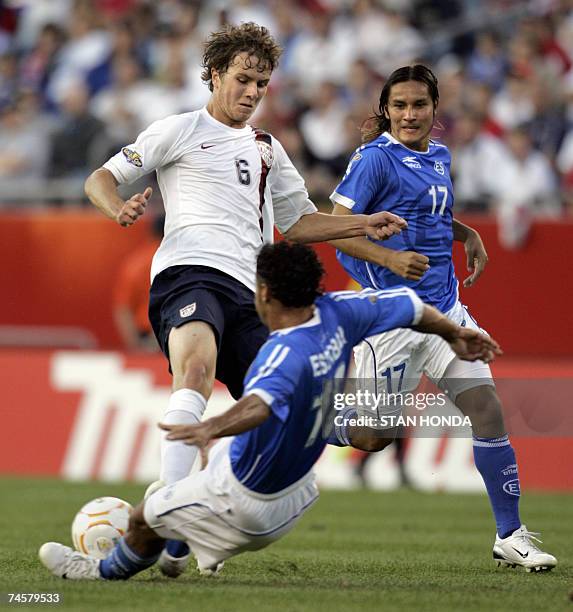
[133,208]
[408,264]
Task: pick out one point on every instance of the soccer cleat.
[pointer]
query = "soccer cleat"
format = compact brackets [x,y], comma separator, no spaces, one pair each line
[519,549]
[211,571]
[65,562]
[173,566]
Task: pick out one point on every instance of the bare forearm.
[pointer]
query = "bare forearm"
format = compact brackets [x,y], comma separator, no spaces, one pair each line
[246,414]
[101,189]
[434,322]
[362,248]
[319,227]
[461,231]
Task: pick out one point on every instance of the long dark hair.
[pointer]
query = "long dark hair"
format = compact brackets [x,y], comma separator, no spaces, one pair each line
[379,123]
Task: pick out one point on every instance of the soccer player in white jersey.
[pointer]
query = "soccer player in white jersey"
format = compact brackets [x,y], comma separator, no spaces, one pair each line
[258,484]
[224,185]
[401,169]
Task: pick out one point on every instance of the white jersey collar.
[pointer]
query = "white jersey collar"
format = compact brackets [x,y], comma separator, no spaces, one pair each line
[394,141]
[208,117]
[314,320]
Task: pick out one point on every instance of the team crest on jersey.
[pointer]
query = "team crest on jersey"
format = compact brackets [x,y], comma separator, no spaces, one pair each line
[439,168]
[132,157]
[266,152]
[411,162]
[188,310]
[355,158]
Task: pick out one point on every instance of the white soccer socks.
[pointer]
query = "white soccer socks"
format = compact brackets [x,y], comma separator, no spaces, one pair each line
[185,407]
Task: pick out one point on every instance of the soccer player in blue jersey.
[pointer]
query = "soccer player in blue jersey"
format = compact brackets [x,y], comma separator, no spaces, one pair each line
[258,483]
[399,168]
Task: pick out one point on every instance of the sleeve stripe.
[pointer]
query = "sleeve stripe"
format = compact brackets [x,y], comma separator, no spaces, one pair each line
[264,395]
[277,356]
[337,198]
[418,308]
[382,294]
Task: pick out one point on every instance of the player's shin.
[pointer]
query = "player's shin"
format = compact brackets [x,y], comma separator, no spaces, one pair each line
[186,407]
[495,461]
[123,562]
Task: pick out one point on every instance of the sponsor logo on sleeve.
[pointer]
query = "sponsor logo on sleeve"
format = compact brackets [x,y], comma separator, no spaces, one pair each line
[188,310]
[132,157]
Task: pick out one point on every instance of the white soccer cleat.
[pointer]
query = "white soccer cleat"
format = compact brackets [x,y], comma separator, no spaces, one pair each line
[172,566]
[211,571]
[519,549]
[65,562]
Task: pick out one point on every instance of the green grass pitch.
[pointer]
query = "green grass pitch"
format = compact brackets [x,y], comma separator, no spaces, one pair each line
[357,550]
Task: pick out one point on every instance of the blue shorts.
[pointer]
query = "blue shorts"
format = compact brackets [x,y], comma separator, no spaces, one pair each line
[182,294]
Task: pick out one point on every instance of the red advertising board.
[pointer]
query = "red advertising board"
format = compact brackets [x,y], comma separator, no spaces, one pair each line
[61,266]
[92,415]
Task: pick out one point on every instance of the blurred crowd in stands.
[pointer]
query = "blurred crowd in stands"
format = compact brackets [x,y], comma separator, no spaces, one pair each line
[81,78]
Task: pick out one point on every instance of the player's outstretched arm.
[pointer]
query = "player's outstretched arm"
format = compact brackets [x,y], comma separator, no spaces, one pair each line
[101,189]
[476,255]
[407,264]
[249,412]
[319,227]
[468,344]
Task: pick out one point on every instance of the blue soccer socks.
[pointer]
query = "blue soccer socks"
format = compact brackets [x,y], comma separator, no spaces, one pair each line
[495,461]
[123,562]
[177,548]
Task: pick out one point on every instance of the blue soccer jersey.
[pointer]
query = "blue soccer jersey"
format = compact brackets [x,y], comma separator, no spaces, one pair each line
[386,175]
[290,372]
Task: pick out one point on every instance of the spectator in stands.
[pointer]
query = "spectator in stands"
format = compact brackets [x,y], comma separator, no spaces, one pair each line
[477,99]
[322,129]
[118,106]
[23,154]
[548,125]
[487,63]
[80,144]
[9,78]
[123,45]
[525,187]
[142,59]
[88,46]
[40,63]
[322,52]
[394,42]
[513,104]
[475,155]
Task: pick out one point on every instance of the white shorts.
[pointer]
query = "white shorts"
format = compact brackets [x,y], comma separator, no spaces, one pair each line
[218,517]
[395,361]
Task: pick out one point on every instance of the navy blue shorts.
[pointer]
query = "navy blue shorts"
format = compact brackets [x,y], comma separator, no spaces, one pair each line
[182,294]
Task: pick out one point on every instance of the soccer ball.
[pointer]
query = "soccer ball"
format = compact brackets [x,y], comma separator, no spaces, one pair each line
[99,525]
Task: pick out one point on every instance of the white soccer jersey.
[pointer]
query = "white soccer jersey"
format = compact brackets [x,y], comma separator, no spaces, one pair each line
[210,175]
